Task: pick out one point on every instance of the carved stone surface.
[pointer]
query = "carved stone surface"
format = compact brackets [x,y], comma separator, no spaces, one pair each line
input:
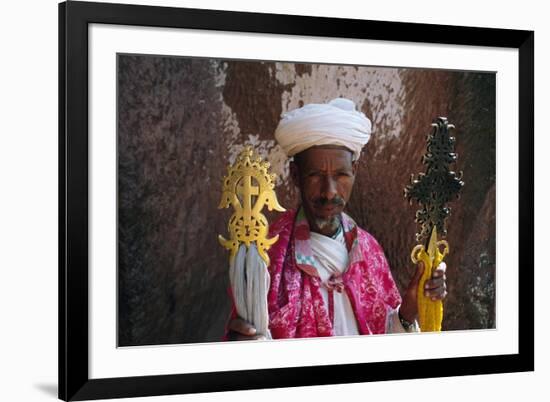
[181,121]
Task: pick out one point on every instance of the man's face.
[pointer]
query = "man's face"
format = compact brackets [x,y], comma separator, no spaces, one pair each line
[325,176]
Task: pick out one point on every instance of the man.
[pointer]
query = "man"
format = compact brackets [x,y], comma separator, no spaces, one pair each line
[328,276]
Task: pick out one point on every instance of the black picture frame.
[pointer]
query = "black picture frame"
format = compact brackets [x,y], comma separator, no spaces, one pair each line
[74,18]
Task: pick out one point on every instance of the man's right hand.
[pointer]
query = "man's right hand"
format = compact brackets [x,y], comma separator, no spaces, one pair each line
[241,330]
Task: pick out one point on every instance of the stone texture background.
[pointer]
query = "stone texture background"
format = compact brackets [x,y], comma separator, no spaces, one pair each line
[182,120]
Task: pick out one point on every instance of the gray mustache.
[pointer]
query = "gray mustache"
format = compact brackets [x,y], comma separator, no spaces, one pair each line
[323,202]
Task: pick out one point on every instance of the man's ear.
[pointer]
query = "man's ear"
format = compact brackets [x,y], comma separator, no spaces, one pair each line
[294,173]
[354,166]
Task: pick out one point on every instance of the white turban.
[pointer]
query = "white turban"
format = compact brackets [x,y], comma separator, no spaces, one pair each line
[333,123]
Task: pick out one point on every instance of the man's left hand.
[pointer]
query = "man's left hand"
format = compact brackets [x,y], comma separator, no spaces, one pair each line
[435,288]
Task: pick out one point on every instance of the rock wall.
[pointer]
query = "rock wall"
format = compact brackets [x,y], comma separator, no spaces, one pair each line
[182,120]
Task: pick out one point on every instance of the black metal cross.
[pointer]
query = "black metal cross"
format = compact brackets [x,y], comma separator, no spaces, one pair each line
[439,184]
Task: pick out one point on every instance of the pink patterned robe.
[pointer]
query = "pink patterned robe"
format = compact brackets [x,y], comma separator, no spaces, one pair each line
[296,306]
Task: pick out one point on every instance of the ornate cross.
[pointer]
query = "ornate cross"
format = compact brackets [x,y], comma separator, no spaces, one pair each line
[439,185]
[247,224]
[432,190]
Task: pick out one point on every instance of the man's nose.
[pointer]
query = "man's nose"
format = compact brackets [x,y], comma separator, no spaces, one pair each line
[328,189]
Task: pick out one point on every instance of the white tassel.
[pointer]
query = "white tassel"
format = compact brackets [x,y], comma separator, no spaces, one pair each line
[250,283]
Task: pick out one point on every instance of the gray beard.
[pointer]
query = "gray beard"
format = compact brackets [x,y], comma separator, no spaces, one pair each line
[331,224]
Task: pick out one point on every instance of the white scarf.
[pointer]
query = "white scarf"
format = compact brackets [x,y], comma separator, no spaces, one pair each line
[332,258]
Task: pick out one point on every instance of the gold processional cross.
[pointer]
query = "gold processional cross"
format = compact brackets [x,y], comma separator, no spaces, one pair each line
[248,187]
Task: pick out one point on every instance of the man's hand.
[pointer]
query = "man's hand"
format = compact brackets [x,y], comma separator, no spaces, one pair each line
[435,288]
[241,330]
